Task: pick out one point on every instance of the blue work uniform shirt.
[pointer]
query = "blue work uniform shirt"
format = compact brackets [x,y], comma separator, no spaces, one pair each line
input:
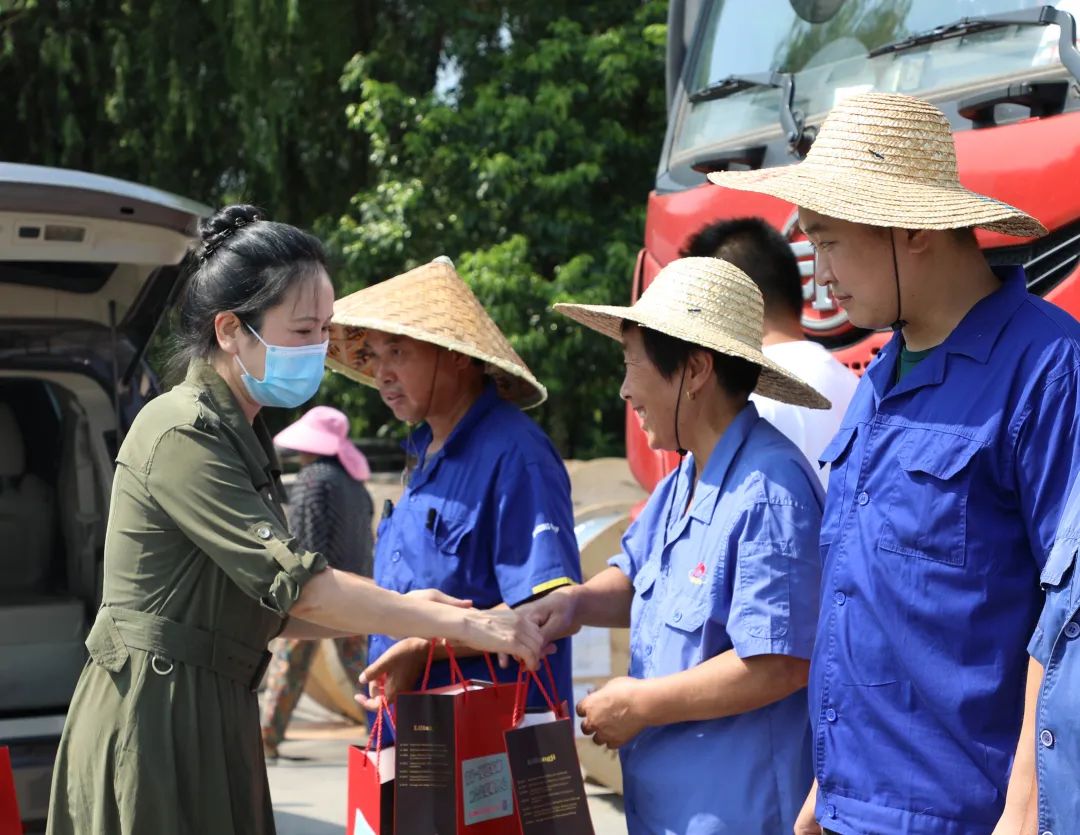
[945,493]
[739,570]
[487,518]
[1056,645]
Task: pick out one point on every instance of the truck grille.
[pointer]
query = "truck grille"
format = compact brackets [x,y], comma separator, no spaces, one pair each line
[1047,261]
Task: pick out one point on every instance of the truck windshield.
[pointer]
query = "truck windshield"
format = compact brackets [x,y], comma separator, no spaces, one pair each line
[827,45]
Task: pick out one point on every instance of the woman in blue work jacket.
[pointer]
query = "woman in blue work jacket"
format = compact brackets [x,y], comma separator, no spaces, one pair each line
[486,510]
[718,577]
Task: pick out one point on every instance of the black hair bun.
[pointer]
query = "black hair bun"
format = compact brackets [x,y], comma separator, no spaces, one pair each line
[215,229]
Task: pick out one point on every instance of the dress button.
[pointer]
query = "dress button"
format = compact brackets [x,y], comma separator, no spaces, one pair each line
[1048,832]
[1072,629]
[840,598]
[263,532]
[1046,737]
[830,715]
[397,555]
[830,810]
[864,498]
[648,649]
[678,617]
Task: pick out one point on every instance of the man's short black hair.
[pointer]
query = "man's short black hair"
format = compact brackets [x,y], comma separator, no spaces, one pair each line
[761,252]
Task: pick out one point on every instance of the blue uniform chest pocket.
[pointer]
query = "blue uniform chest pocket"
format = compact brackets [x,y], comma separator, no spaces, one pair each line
[687,612]
[927,511]
[451,529]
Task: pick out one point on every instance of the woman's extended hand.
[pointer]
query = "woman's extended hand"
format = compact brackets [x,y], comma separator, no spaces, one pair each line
[436,596]
[504,631]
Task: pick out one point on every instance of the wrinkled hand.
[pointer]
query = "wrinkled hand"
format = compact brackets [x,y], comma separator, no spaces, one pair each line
[806,823]
[436,596]
[503,631]
[554,613]
[402,664]
[610,714]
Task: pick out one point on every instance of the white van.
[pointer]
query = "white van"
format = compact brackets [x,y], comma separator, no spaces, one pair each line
[88,267]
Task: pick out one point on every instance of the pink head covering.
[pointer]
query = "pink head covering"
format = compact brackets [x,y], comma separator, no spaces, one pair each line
[325,431]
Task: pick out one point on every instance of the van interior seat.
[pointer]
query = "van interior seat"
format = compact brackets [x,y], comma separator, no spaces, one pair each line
[42,626]
[27,514]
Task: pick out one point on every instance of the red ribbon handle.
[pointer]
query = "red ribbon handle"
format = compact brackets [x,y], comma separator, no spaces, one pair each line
[521,693]
[377,727]
[456,675]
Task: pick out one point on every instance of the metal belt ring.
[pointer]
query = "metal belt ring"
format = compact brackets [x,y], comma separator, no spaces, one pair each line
[154,665]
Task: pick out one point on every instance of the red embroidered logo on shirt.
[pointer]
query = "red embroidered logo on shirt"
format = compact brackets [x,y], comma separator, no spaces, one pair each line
[697,575]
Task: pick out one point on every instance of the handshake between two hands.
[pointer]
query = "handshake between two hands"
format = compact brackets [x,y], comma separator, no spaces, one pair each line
[526,633]
[608,713]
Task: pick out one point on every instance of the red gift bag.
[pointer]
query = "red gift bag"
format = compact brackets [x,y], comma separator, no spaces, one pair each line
[452,773]
[371,781]
[10,822]
[548,788]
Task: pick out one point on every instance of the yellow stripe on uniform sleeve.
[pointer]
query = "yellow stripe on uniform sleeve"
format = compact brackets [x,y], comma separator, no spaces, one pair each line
[552,584]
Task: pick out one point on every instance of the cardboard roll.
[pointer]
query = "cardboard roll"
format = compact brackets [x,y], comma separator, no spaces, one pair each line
[330,686]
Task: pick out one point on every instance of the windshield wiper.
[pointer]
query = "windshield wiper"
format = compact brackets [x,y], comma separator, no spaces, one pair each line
[732,84]
[1039,16]
[793,121]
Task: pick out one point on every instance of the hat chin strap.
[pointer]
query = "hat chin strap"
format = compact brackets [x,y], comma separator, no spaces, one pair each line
[411,451]
[679,449]
[900,322]
[678,402]
[431,388]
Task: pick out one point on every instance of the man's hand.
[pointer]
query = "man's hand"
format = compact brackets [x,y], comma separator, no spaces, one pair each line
[555,613]
[806,823]
[610,714]
[402,664]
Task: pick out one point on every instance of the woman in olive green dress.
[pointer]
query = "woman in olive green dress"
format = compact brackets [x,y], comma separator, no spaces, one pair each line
[162,737]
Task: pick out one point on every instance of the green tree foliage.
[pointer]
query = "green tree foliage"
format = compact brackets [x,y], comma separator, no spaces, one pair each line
[217,101]
[531,172]
[520,138]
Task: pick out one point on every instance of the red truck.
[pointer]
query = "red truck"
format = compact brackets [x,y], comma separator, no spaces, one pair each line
[749,81]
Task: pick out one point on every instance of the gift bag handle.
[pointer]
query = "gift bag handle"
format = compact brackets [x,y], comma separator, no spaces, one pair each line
[456,675]
[521,693]
[376,735]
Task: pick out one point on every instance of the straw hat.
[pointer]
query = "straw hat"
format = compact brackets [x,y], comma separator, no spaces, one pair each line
[431,304]
[707,302]
[889,160]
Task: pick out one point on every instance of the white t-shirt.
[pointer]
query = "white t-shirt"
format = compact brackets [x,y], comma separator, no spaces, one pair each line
[810,429]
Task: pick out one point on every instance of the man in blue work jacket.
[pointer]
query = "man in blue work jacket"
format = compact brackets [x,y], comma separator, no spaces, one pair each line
[1043,796]
[486,513]
[948,476]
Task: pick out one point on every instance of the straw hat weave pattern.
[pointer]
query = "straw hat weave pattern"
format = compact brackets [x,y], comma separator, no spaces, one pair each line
[430,304]
[710,303]
[885,159]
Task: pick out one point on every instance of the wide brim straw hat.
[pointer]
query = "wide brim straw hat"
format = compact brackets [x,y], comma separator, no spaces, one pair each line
[431,304]
[888,160]
[710,303]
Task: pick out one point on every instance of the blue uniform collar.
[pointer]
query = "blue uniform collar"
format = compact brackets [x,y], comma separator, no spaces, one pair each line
[723,456]
[975,337]
[419,440]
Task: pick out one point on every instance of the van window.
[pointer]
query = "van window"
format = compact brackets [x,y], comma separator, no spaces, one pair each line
[69,276]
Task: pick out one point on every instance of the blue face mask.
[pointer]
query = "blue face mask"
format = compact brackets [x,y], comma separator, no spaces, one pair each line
[291,376]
